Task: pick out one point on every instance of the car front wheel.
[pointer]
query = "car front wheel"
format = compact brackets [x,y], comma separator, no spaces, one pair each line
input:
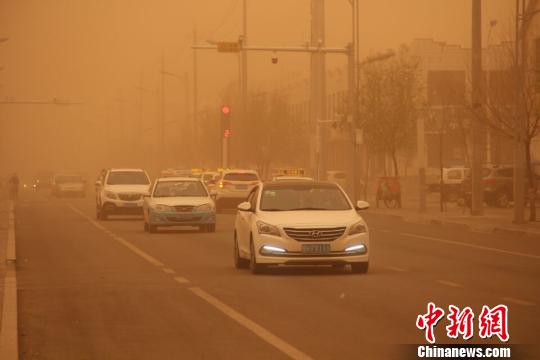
[255,267]
[239,262]
[360,267]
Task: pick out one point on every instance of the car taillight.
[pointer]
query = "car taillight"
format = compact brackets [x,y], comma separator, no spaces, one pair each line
[490,181]
[222,184]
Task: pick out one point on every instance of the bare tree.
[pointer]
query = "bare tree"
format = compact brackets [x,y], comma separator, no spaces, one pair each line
[512,108]
[389,99]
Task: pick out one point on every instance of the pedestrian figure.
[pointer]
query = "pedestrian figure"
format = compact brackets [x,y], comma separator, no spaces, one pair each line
[14,187]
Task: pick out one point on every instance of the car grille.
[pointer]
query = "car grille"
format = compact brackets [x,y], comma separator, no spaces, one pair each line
[315,234]
[129,197]
[184,208]
[190,219]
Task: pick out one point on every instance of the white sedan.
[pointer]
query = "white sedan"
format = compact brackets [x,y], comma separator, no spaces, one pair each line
[300,223]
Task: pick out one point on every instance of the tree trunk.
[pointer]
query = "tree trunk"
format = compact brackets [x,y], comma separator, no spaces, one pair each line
[394,161]
[532,188]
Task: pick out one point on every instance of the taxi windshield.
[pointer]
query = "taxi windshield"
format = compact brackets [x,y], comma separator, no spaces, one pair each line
[179,189]
[296,197]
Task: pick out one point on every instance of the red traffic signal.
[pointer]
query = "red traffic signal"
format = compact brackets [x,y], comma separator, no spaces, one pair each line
[225,110]
[227,133]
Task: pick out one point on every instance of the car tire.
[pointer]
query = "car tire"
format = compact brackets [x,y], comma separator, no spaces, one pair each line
[152,229]
[239,262]
[360,267]
[211,228]
[254,266]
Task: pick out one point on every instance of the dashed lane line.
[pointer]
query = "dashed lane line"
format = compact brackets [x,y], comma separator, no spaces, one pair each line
[121,240]
[181,280]
[167,270]
[518,301]
[258,330]
[255,328]
[450,283]
[479,247]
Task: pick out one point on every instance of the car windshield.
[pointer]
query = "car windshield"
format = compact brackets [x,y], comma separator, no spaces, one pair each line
[295,197]
[241,177]
[62,179]
[179,189]
[127,178]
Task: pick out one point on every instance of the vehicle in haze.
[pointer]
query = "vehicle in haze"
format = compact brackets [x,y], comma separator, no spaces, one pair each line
[179,201]
[300,223]
[120,192]
[42,180]
[452,180]
[337,176]
[234,186]
[68,184]
[498,183]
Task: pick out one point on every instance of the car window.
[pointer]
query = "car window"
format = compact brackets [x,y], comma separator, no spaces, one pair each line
[339,176]
[127,178]
[179,189]
[293,197]
[241,177]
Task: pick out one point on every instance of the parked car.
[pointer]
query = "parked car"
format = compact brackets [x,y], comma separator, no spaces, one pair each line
[179,201]
[300,223]
[120,192]
[498,186]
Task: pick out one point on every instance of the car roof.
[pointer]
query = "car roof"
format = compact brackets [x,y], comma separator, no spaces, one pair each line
[240,171]
[121,169]
[177,178]
[286,183]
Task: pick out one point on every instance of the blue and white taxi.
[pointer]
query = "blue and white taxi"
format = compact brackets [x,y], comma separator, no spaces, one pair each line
[179,201]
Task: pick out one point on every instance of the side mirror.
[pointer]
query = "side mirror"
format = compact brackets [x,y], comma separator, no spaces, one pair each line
[98,183]
[244,206]
[362,205]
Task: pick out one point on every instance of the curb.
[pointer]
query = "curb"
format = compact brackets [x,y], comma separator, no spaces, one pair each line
[9,334]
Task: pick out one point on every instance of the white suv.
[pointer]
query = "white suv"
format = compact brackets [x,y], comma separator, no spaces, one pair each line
[121,192]
[234,186]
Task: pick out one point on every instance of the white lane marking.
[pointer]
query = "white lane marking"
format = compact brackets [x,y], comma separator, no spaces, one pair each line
[9,331]
[258,330]
[181,280]
[449,283]
[531,256]
[518,301]
[122,241]
[168,270]
[395,268]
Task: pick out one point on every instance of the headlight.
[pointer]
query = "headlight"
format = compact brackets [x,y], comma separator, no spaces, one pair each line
[360,248]
[269,249]
[110,195]
[267,229]
[204,207]
[358,228]
[163,208]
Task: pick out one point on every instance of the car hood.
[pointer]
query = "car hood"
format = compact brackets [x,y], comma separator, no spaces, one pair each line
[182,200]
[137,189]
[310,218]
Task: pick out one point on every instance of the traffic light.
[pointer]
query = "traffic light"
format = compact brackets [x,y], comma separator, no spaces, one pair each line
[226,121]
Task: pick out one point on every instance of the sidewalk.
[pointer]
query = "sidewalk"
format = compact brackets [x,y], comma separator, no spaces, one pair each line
[494,220]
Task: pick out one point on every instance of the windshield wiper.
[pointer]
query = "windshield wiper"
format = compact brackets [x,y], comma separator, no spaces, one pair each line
[308,208]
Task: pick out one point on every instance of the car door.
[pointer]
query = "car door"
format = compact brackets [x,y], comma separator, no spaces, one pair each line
[147,199]
[243,224]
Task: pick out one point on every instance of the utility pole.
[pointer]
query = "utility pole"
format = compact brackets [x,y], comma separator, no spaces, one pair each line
[196,97]
[519,163]
[318,84]
[477,128]
[161,126]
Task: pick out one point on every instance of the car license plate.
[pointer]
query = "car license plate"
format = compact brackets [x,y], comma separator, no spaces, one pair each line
[315,248]
[241,187]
